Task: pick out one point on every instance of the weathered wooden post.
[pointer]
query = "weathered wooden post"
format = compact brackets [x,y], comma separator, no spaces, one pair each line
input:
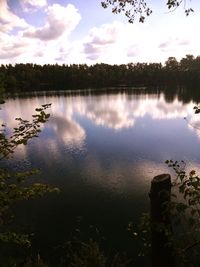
[162,250]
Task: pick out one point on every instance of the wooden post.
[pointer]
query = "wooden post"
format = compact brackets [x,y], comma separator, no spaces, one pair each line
[162,251]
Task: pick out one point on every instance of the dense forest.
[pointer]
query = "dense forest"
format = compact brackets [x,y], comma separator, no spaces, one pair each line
[31,77]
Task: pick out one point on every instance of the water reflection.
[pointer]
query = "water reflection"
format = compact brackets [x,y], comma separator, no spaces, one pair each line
[102,150]
[143,124]
[121,111]
[117,111]
[68,130]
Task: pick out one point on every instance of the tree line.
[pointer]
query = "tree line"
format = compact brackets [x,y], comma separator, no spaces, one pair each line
[33,77]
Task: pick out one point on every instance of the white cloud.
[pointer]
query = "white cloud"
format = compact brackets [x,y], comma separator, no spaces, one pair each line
[172,43]
[60,21]
[112,43]
[133,51]
[108,43]
[13,48]
[18,47]
[33,3]
[8,20]
[106,34]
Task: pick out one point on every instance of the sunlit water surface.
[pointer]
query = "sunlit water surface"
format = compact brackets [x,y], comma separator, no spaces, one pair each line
[102,152]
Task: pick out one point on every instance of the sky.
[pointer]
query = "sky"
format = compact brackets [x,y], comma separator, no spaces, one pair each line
[82,32]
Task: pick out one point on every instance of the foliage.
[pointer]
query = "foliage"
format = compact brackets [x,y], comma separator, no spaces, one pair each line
[13,186]
[37,262]
[142,233]
[187,206]
[140,8]
[197,109]
[2,87]
[185,214]
[25,131]
[184,209]
[89,254]
[131,8]
[31,77]
[85,254]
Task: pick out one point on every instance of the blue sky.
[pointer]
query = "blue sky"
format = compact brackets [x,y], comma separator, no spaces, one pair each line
[67,32]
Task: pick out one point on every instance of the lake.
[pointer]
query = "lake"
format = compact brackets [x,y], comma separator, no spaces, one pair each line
[102,150]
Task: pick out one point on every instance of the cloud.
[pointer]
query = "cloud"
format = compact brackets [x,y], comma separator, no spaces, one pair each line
[133,51]
[89,48]
[12,46]
[39,54]
[10,54]
[92,51]
[111,41]
[8,20]
[163,45]
[106,34]
[184,42]
[33,3]
[60,21]
[172,43]
[101,38]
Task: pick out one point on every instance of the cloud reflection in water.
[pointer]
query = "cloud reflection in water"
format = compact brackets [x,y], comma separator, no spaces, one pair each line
[73,116]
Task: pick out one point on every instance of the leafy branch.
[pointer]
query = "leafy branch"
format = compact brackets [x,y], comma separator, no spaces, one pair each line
[140,8]
[12,185]
[131,8]
[25,131]
[174,4]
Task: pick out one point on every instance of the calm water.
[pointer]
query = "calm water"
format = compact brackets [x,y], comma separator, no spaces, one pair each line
[102,152]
